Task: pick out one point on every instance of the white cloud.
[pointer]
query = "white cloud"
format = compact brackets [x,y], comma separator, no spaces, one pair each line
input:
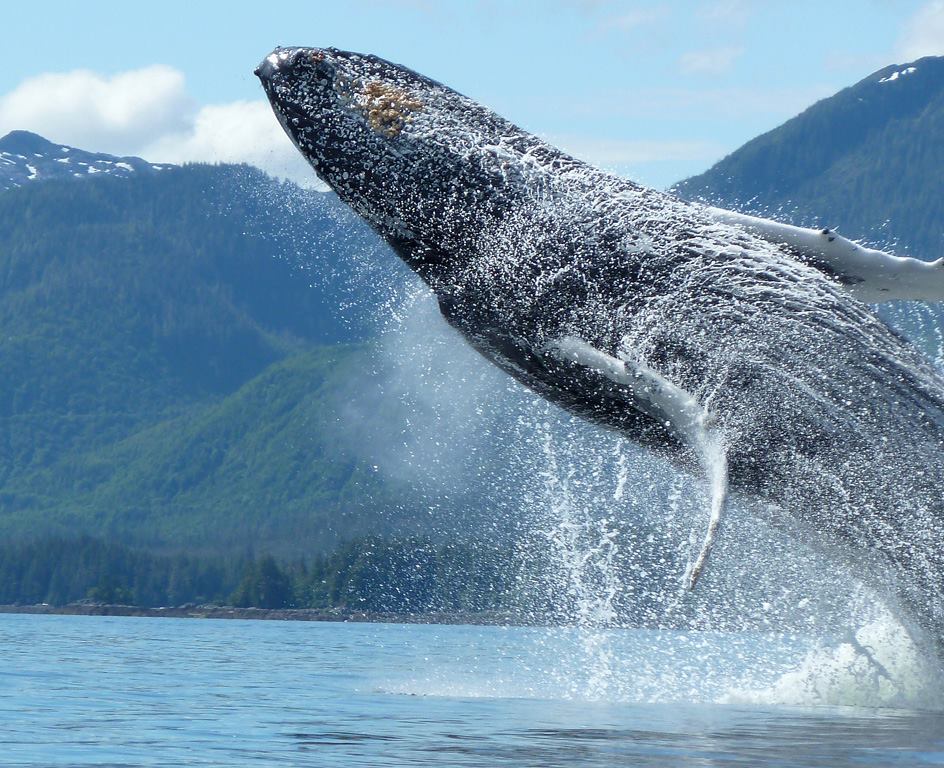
[148,112]
[653,162]
[732,103]
[584,6]
[726,103]
[713,61]
[923,33]
[727,12]
[115,114]
[239,132]
[627,21]
[638,17]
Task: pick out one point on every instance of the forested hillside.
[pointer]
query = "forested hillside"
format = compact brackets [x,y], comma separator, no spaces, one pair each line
[867,161]
[175,359]
[369,574]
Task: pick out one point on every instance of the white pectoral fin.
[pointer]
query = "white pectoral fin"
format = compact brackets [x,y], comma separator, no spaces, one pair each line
[714,460]
[869,275]
[663,400]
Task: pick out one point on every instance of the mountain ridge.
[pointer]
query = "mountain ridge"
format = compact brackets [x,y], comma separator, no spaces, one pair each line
[27,157]
[866,161]
[144,318]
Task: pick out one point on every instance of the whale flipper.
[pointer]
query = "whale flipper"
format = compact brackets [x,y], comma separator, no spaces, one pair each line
[665,401]
[867,274]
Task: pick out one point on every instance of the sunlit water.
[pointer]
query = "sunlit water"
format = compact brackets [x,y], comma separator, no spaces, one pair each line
[135,692]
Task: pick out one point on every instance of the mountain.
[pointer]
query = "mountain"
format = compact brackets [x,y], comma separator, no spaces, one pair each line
[267,467]
[867,161]
[126,297]
[26,157]
[178,350]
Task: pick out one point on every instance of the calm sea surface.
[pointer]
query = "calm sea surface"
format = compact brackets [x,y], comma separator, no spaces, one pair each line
[77,690]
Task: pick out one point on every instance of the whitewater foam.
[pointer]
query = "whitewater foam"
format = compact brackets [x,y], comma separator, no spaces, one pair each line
[878,666]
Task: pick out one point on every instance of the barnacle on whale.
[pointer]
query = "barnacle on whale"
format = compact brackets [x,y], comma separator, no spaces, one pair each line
[387,108]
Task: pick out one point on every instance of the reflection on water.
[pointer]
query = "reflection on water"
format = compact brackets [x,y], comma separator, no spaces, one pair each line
[135,692]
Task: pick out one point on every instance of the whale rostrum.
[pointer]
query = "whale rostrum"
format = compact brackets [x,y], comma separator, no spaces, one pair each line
[738,348]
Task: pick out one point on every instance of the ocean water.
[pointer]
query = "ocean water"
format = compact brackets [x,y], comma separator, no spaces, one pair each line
[103,691]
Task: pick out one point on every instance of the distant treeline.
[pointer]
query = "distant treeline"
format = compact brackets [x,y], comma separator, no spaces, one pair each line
[402,576]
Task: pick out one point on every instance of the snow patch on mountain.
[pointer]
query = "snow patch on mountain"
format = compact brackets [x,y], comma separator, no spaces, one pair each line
[899,73]
[27,157]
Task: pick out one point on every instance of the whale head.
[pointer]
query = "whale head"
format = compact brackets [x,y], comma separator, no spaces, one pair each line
[418,160]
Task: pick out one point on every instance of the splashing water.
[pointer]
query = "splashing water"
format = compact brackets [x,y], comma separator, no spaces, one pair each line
[606,532]
[878,665]
[578,573]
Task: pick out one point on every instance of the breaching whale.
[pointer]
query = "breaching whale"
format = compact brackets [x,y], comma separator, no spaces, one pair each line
[736,346]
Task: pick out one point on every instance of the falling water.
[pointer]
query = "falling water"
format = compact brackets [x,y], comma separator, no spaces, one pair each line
[606,533]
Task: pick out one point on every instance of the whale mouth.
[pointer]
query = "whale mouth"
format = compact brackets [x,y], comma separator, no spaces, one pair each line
[283,61]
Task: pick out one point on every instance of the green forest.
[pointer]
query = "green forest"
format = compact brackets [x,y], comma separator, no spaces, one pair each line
[175,375]
[371,574]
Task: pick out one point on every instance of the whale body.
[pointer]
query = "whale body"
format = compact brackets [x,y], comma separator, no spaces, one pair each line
[733,346]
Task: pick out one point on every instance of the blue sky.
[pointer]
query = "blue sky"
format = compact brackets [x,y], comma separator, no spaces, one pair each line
[656,91]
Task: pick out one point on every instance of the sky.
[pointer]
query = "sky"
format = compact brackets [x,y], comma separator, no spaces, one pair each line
[657,91]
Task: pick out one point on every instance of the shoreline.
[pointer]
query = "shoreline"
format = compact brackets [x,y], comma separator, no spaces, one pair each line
[264,614]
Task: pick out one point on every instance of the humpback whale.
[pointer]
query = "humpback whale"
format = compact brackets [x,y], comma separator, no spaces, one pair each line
[737,347]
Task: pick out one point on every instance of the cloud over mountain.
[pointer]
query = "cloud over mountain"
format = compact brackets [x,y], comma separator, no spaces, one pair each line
[923,33]
[238,132]
[119,114]
[149,112]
